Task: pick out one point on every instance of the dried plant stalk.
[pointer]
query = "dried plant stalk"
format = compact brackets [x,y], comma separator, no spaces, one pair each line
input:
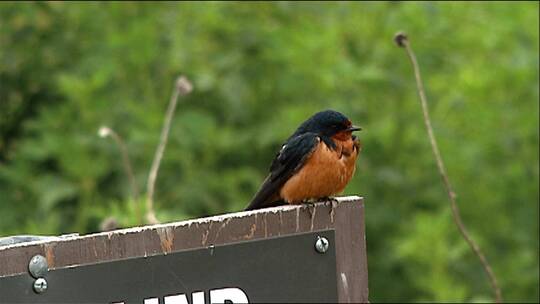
[183,87]
[401,40]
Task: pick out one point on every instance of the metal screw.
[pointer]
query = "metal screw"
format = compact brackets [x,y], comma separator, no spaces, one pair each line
[38,266]
[40,285]
[322,244]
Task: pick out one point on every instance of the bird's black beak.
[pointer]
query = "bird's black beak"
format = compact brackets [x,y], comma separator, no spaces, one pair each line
[354,128]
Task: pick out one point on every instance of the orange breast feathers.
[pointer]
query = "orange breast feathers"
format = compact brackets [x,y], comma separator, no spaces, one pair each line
[325,173]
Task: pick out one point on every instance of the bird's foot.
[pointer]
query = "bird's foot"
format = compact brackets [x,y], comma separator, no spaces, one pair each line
[310,206]
[333,204]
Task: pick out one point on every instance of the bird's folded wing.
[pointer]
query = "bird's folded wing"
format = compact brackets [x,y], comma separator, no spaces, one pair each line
[292,156]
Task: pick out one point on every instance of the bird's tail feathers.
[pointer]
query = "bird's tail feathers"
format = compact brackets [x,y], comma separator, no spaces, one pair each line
[267,196]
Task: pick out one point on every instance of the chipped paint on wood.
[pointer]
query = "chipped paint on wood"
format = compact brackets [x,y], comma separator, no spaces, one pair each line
[166,238]
[49,254]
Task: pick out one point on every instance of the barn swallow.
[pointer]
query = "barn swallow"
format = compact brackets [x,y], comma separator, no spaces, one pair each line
[316,162]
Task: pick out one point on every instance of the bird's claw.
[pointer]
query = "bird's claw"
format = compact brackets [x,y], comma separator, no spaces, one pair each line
[333,204]
[310,207]
[310,204]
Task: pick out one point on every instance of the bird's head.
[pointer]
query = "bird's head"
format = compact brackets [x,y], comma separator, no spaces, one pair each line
[329,123]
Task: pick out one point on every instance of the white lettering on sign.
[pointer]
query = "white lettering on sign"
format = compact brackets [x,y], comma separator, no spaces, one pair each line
[217,296]
[176,299]
[234,295]
[197,297]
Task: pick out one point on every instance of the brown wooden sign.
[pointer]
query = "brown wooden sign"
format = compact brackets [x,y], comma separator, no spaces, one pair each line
[282,254]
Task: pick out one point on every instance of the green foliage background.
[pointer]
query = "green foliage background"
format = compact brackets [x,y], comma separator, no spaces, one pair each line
[259,69]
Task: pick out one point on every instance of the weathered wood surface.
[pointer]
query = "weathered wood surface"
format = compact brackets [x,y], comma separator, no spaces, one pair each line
[347,220]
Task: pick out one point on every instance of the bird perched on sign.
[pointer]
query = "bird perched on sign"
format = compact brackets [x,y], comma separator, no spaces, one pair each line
[316,162]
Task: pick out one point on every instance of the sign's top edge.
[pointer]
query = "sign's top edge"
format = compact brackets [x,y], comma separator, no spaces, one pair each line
[216,218]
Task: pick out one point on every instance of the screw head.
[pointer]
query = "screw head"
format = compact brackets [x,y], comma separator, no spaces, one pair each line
[40,285]
[322,244]
[38,266]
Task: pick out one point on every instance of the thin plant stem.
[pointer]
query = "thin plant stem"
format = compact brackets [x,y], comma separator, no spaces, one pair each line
[105,132]
[182,88]
[401,40]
